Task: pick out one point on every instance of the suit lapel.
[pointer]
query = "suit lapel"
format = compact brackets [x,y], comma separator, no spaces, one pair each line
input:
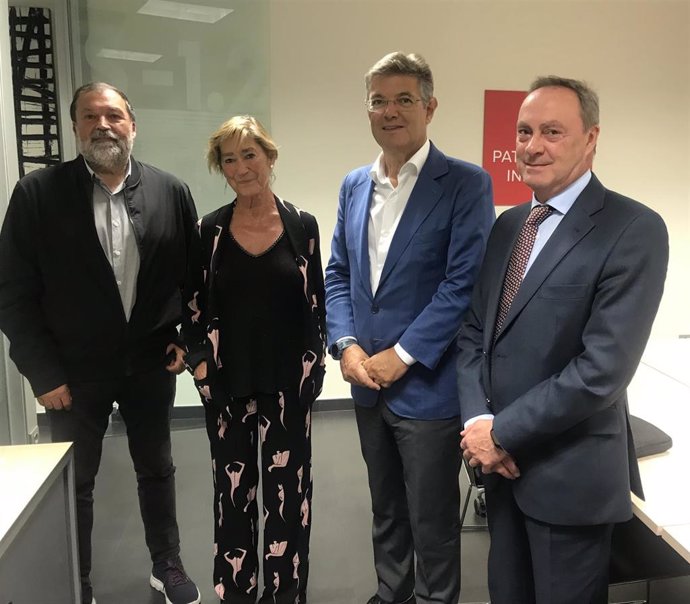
[361,203]
[574,226]
[423,199]
[512,230]
[215,239]
[294,228]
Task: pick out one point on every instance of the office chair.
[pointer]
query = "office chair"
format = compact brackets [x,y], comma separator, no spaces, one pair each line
[476,486]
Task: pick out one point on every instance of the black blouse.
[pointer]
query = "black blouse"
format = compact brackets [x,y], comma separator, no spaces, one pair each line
[260,302]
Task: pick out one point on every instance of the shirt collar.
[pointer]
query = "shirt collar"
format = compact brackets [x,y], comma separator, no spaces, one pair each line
[413,165]
[566,198]
[95,176]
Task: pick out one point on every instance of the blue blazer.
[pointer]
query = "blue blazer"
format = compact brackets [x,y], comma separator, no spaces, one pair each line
[425,285]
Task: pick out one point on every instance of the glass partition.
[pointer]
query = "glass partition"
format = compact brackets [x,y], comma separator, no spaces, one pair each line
[186,67]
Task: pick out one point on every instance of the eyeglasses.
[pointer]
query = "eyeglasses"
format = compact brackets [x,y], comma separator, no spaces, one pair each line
[402,103]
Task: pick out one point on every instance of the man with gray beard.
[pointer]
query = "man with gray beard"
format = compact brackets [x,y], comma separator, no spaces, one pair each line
[92,260]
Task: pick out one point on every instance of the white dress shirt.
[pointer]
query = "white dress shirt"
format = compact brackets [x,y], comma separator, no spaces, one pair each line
[116,234]
[387,206]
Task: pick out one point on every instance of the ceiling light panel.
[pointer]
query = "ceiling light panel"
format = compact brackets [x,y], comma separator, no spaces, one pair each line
[127,55]
[185,12]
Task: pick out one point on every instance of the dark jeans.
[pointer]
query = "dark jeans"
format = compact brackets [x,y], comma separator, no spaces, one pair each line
[145,401]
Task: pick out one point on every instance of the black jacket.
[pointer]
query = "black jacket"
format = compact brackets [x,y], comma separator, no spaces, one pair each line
[59,303]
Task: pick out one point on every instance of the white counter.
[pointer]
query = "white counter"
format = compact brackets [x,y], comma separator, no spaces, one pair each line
[678,537]
[660,394]
[38,546]
[670,356]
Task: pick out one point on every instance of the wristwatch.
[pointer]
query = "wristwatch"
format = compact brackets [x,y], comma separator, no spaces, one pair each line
[337,349]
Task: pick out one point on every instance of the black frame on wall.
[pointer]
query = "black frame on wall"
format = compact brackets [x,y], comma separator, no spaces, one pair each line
[35,91]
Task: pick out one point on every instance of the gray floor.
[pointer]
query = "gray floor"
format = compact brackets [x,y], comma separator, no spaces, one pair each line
[341,555]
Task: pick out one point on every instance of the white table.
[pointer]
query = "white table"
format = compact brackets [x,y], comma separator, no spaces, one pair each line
[38,546]
[678,537]
[664,402]
[670,356]
[660,394]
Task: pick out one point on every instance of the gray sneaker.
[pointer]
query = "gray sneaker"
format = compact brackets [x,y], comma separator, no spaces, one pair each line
[170,578]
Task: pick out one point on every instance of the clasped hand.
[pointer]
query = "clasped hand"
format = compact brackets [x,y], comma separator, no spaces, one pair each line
[479,450]
[375,372]
[58,399]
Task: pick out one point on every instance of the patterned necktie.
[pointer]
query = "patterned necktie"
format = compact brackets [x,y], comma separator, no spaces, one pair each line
[518,261]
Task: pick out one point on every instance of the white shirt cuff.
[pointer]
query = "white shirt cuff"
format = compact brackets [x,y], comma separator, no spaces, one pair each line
[476,418]
[404,357]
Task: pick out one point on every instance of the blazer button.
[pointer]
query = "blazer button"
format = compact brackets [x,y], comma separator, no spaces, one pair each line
[374,309]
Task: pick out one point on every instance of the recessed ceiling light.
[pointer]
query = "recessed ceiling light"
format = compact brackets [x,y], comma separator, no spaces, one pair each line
[127,55]
[186,12]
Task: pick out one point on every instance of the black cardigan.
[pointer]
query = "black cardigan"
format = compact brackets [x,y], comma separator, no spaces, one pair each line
[59,303]
[200,326]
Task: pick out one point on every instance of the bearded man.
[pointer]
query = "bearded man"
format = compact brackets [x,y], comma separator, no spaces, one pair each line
[92,260]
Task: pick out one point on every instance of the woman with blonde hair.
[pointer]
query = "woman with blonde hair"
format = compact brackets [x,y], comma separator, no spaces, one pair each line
[255,339]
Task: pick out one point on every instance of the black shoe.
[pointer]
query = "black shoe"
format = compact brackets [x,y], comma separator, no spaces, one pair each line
[87,592]
[376,600]
[170,578]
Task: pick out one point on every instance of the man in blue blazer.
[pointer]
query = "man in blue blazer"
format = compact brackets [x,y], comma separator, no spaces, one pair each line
[409,238]
[542,380]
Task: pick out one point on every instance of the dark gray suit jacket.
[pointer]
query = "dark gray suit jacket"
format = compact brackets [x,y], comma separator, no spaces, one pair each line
[556,376]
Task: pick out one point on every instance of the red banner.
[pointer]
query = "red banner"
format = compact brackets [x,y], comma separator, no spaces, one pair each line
[501,109]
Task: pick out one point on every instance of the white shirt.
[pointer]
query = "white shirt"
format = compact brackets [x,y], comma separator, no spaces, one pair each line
[560,203]
[116,234]
[387,206]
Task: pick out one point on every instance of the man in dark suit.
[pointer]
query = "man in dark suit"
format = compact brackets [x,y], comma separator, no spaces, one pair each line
[544,361]
[93,255]
[409,238]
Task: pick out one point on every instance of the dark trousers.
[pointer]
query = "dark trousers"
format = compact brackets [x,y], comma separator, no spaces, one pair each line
[413,468]
[531,562]
[279,427]
[145,401]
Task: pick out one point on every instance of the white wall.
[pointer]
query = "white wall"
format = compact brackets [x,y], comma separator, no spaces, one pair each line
[635,54]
